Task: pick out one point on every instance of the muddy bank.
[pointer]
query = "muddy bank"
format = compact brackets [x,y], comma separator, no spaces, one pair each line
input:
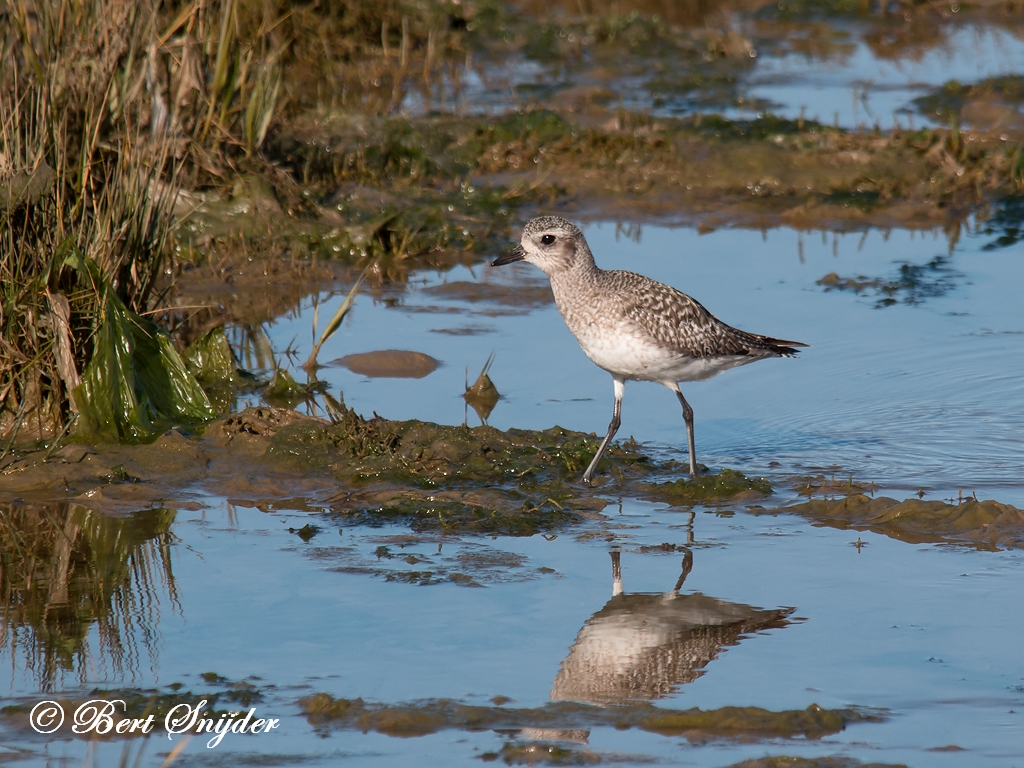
[705,170]
[423,718]
[446,479]
[406,192]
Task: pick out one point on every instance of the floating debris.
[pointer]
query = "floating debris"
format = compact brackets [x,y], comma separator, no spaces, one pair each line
[390,364]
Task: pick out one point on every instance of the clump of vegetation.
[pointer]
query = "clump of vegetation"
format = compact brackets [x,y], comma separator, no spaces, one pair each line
[91,144]
[948,101]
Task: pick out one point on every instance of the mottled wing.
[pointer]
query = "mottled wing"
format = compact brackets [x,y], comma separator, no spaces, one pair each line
[676,320]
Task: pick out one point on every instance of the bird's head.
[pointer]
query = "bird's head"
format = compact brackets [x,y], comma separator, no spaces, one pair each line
[550,243]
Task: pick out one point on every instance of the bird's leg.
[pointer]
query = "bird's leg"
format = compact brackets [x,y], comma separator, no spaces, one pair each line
[687,567]
[616,574]
[620,387]
[688,418]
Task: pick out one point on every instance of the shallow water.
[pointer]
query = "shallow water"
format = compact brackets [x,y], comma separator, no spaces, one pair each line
[872,627]
[906,396]
[859,87]
[912,396]
[863,76]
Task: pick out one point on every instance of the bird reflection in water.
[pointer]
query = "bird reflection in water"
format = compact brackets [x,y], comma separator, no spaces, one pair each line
[642,646]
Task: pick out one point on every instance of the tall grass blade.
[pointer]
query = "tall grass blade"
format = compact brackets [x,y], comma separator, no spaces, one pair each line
[339,316]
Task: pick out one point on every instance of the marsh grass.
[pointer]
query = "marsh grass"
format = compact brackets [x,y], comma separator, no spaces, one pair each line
[102,104]
[90,227]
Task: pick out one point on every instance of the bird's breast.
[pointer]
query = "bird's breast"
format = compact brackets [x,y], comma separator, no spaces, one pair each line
[620,346]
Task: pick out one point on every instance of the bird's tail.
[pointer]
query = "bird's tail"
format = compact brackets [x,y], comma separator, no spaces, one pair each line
[780,347]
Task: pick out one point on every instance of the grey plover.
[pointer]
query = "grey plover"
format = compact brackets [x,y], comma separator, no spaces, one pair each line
[634,327]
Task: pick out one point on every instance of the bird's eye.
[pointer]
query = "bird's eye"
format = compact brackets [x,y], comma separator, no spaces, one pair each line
[548,239]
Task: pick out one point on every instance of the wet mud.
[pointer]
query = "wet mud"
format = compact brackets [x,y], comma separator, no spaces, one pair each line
[390,363]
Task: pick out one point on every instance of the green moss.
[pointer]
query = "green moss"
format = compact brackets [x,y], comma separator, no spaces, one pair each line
[452,478]
[707,488]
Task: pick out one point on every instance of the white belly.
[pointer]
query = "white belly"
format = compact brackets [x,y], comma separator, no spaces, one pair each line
[637,358]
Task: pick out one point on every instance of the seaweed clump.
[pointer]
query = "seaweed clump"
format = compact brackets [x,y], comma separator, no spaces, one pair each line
[433,715]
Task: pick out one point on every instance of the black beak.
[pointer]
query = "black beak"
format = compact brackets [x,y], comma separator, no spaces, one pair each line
[516,254]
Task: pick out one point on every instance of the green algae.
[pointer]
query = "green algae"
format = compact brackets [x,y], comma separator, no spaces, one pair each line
[284,390]
[212,362]
[135,385]
[704,489]
[434,715]
[982,524]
